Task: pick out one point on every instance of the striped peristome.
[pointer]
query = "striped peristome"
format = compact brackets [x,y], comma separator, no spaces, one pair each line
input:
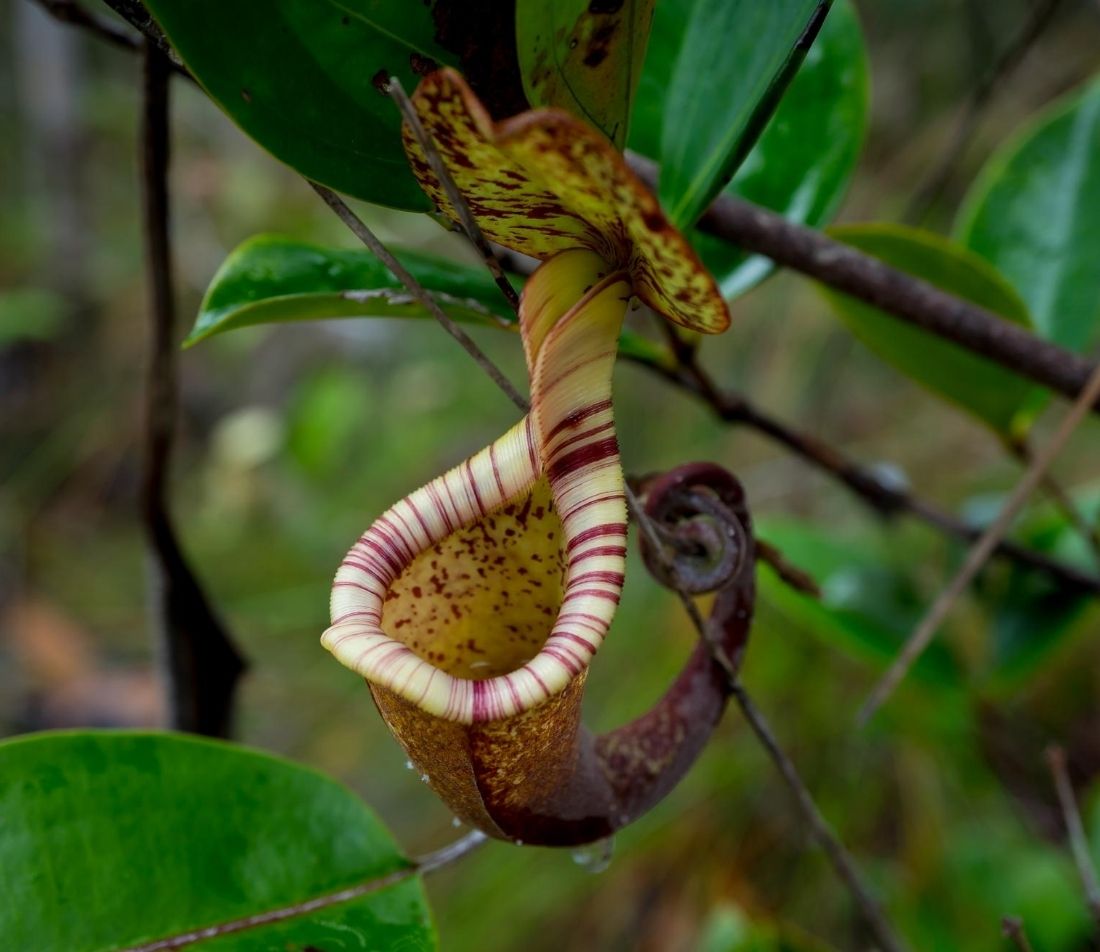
[566,445]
[474,606]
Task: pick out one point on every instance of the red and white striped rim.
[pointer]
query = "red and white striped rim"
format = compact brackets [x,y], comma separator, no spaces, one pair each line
[568,438]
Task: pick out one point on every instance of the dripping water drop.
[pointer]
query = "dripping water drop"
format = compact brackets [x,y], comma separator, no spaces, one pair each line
[408,765]
[595,857]
[456,822]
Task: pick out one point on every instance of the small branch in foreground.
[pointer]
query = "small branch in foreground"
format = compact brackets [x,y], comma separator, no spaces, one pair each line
[203,665]
[425,864]
[1013,928]
[901,295]
[980,552]
[1075,830]
[838,856]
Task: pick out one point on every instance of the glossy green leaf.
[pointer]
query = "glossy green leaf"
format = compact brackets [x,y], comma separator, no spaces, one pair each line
[868,605]
[732,53]
[298,76]
[109,839]
[270,279]
[584,57]
[985,389]
[806,155]
[1033,214]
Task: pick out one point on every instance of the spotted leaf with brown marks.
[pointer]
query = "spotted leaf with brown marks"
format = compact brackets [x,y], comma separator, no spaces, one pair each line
[545,181]
[584,56]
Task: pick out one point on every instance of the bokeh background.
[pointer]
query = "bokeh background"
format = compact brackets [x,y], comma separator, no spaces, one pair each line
[293,438]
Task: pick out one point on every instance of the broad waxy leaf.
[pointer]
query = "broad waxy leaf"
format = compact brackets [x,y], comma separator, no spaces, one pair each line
[109,839]
[298,77]
[732,53]
[584,57]
[801,164]
[1033,213]
[270,279]
[989,392]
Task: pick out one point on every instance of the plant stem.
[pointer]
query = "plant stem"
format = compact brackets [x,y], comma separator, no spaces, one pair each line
[888,500]
[1075,830]
[202,663]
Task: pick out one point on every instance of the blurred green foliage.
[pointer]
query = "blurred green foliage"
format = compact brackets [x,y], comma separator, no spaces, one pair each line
[294,437]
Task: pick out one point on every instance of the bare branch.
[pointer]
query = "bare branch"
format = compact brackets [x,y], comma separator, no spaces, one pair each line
[838,856]
[203,664]
[425,864]
[887,499]
[979,554]
[1075,830]
[903,296]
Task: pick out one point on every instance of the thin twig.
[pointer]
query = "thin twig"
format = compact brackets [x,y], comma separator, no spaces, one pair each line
[980,552]
[425,864]
[757,230]
[469,224]
[794,577]
[1013,928]
[885,498]
[1075,830]
[203,665]
[359,228]
[933,185]
[838,856]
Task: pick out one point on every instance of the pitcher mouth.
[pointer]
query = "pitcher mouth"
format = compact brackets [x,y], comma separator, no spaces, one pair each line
[488,590]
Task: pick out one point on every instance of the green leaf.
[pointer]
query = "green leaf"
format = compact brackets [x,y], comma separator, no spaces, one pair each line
[109,839]
[732,53]
[584,57]
[270,279]
[868,604]
[802,163]
[994,395]
[1033,616]
[298,77]
[1033,214]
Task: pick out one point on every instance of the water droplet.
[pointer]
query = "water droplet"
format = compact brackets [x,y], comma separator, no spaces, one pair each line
[518,842]
[595,857]
[423,778]
[456,822]
[408,765]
